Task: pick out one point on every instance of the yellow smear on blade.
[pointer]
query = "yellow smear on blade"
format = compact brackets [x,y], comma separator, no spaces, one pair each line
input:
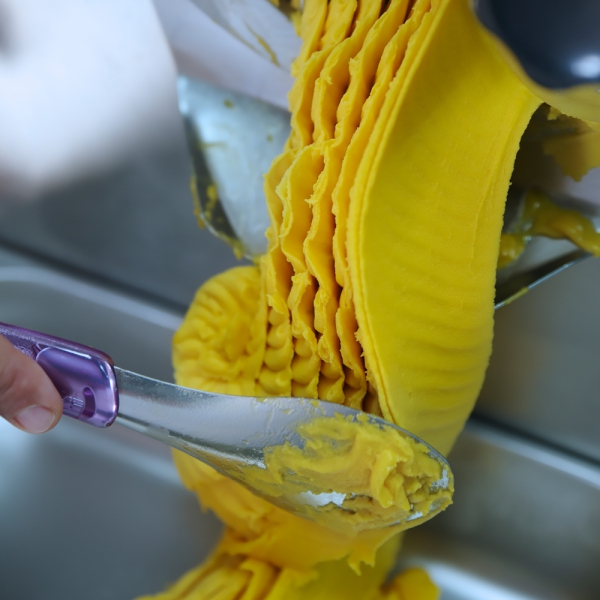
[543,217]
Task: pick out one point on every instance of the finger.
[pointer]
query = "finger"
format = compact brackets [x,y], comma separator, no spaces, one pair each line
[28,399]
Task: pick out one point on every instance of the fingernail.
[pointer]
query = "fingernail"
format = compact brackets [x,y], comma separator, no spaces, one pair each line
[36,419]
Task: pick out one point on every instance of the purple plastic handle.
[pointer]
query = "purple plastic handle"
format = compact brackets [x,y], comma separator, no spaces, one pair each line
[84,377]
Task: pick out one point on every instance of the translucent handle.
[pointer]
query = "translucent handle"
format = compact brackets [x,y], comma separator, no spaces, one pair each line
[83,376]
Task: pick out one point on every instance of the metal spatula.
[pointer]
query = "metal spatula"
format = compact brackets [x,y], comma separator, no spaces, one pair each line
[229,433]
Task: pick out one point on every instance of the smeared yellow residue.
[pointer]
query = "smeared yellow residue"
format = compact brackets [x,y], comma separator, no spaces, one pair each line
[543,217]
[385,477]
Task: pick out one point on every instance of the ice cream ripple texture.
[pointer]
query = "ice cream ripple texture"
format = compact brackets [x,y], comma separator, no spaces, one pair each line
[376,291]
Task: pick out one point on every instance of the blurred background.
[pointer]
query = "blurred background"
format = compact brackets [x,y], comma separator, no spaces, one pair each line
[94,168]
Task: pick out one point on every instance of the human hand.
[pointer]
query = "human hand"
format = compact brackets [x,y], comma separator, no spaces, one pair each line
[28,399]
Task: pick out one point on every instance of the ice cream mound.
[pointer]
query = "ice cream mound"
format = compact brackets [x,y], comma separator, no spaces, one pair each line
[377,289]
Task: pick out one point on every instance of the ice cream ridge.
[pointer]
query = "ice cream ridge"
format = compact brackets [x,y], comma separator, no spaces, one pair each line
[377,288]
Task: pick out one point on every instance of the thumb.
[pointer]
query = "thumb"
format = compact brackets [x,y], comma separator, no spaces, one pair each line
[28,399]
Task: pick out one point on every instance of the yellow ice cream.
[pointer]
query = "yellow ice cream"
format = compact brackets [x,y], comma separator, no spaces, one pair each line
[380,477]
[377,287]
[376,290]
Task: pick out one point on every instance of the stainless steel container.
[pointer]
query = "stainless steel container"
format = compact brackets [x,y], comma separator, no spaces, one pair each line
[78,501]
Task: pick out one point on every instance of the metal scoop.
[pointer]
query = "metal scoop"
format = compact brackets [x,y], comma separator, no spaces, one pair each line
[232,434]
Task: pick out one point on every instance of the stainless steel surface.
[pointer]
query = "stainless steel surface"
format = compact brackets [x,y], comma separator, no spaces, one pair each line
[525,523]
[535,169]
[543,257]
[544,374]
[516,286]
[234,433]
[46,301]
[131,227]
[232,140]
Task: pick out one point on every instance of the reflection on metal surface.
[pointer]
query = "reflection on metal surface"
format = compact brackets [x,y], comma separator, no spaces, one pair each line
[543,378]
[232,140]
[260,24]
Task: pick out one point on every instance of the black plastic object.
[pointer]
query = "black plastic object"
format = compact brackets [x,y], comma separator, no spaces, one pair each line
[557,42]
